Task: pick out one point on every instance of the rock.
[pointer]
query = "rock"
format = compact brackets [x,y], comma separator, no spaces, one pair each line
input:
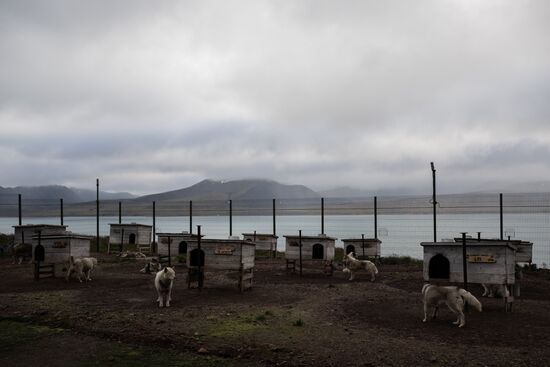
[202,350]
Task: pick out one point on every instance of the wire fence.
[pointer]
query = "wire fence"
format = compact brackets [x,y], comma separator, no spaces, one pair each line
[401,223]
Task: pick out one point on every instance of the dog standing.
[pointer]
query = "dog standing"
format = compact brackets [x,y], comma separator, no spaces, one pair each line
[163,283]
[352,264]
[455,298]
[82,267]
[20,251]
[495,290]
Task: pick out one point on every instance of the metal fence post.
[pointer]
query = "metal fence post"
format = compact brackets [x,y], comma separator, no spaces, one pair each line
[434,202]
[501,218]
[375,218]
[61,210]
[97,213]
[19,208]
[190,216]
[120,212]
[230,218]
[300,244]
[322,215]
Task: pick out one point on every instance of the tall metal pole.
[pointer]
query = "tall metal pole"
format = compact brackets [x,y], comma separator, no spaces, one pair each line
[363,244]
[230,218]
[464,261]
[97,214]
[200,257]
[19,208]
[190,216]
[274,223]
[61,210]
[434,201]
[154,224]
[169,252]
[300,244]
[120,212]
[375,217]
[322,215]
[501,219]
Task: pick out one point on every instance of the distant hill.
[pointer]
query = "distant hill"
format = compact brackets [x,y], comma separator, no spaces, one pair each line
[8,195]
[236,190]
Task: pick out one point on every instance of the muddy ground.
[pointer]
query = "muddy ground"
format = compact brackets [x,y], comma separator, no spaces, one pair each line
[285,320]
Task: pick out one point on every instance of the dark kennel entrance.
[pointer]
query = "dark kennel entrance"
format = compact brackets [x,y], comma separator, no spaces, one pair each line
[39,253]
[196,257]
[350,249]
[182,248]
[439,267]
[317,252]
[132,239]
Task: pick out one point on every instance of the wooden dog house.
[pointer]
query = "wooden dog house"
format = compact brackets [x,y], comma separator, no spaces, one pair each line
[24,233]
[363,248]
[263,241]
[221,255]
[133,234]
[318,248]
[174,244]
[487,261]
[524,249]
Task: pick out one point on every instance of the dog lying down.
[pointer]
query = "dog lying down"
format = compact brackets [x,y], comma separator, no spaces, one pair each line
[455,298]
[163,283]
[351,264]
[82,267]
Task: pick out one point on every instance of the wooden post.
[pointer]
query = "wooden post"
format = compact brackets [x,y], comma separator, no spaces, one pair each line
[199,269]
[362,245]
[501,219]
[434,202]
[230,218]
[19,208]
[97,213]
[120,212]
[375,217]
[274,230]
[300,248]
[61,210]
[322,215]
[154,227]
[190,216]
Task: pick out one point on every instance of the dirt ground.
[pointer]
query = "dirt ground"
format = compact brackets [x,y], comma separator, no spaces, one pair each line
[285,320]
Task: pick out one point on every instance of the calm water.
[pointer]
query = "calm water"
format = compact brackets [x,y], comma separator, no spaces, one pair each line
[400,234]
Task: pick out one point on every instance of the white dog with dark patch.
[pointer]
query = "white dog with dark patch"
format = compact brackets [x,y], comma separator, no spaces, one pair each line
[163,283]
[82,267]
[351,264]
[455,298]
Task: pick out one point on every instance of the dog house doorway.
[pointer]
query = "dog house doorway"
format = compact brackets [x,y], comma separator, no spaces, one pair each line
[197,257]
[182,248]
[318,252]
[350,249]
[132,239]
[439,267]
[39,253]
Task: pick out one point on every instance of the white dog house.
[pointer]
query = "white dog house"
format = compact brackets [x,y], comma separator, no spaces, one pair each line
[362,247]
[314,248]
[133,234]
[263,241]
[174,244]
[487,261]
[24,233]
[56,248]
[221,255]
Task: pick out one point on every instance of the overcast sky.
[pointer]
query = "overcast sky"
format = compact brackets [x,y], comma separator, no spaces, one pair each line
[157,95]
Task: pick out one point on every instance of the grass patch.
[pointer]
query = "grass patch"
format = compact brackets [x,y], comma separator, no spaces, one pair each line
[236,327]
[400,260]
[14,333]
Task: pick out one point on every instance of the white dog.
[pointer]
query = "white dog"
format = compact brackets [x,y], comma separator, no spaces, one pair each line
[81,267]
[495,290]
[352,264]
[20,251]
[455,298]
[163,283]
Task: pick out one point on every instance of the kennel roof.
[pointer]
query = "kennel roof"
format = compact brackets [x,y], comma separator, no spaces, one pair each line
[131,225]
[360,240]
[470,244]
[40,225]
[318,237]
[261,234]
[64,235]
[178,234]
[495,240]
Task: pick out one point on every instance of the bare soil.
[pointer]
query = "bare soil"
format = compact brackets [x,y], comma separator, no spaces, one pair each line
[285,320]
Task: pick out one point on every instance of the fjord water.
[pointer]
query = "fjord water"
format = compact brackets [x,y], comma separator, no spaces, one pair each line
[400,234]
